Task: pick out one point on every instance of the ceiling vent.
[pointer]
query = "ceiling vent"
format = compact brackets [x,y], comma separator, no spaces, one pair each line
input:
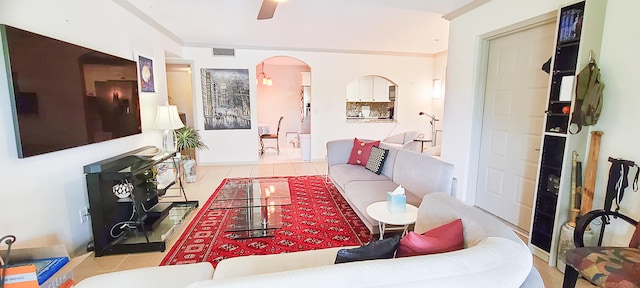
[224,52]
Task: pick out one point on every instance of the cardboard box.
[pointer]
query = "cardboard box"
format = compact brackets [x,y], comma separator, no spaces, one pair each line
[61,276]
[21,277]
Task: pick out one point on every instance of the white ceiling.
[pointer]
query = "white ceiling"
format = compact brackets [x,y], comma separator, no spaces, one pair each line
[369,26]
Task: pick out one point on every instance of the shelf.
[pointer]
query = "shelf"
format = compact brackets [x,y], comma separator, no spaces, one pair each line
[140,222]
[569,43]
[556,134]
[552,102]
[564,72]
[551,167]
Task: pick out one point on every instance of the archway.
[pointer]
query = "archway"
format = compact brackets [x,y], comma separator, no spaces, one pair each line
[283,90]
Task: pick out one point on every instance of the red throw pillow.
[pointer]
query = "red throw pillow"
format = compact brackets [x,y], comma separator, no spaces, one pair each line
[446,238]
[360,152]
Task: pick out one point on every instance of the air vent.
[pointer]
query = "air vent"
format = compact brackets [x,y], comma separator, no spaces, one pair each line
[224,52]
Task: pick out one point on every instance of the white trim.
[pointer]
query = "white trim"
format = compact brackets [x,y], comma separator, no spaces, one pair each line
[126,5]
[464,9]
[322,50]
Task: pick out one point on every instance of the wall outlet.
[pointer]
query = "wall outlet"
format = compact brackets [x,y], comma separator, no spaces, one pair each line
[84,215]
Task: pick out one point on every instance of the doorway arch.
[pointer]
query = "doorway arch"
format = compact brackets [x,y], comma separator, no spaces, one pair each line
[284,93]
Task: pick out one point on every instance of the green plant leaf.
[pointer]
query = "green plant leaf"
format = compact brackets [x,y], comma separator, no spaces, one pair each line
[188,139]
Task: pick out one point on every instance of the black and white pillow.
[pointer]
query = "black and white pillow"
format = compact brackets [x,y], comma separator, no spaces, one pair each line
[376,159]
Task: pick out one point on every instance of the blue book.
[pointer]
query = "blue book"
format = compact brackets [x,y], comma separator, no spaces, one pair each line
[46,267]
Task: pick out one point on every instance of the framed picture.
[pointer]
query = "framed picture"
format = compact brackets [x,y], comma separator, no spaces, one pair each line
[225,93]
[146,74]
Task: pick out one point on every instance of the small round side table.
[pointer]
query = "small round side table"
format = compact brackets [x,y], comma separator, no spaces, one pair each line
[400,220]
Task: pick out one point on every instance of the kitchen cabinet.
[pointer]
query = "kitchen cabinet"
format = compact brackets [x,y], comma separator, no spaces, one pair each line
[368,89]
[578,35]
[365,89]
[380,89]
[352,92]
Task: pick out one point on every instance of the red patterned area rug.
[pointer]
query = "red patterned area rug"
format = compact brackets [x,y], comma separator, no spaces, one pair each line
[318,217]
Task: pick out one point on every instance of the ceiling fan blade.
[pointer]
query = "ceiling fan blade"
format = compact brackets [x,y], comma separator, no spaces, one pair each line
[267,9]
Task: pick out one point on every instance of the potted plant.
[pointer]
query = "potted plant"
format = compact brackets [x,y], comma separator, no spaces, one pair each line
[187,142]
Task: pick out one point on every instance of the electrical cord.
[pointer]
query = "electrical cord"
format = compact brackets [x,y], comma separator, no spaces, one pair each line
[126,224]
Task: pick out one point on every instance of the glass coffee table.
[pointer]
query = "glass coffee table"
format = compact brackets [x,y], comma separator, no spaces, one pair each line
[255,206]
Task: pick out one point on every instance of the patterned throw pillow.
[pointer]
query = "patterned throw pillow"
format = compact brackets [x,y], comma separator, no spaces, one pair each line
[376,159]
[360,152]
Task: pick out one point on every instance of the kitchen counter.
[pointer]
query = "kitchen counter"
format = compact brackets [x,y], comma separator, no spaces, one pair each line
[370,120]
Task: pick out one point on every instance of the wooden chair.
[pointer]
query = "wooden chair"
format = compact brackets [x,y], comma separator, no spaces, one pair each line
[603,266]
[271,136]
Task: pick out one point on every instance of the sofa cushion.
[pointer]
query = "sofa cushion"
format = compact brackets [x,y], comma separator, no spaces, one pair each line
[360,151]
[390,162]
[381,249]
[422,174]
[376,159]
[445,238]
[342,174]
[439,208]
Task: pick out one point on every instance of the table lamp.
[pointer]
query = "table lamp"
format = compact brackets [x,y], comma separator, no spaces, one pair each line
[167,119]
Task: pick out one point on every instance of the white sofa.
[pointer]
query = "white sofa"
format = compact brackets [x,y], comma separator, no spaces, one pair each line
[493,257]
[419,174]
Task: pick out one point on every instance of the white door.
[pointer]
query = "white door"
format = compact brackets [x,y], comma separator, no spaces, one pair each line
[515,97]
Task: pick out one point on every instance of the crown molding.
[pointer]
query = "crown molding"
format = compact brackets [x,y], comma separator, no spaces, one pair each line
[464,9]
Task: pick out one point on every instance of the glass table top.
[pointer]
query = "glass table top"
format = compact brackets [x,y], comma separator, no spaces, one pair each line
[242,193]
[254,206]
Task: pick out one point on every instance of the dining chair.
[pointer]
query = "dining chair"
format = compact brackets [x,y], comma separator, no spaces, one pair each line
[271,136]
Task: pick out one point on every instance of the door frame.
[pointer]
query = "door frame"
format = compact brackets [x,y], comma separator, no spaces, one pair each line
[481,80]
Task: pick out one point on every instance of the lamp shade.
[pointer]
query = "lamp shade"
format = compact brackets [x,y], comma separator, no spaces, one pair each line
[167,118]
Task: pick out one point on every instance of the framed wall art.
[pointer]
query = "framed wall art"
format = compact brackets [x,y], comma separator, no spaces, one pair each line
[146,74]
[225,98]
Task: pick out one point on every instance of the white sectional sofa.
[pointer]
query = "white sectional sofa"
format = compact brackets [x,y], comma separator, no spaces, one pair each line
[419,174]
[493,257]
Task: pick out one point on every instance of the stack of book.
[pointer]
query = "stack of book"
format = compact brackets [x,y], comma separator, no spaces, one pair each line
[32,273]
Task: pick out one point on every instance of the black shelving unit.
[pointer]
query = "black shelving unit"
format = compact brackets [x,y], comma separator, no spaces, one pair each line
[573,50]
[138,222]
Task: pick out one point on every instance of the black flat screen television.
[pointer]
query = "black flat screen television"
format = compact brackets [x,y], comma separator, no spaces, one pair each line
[65,95]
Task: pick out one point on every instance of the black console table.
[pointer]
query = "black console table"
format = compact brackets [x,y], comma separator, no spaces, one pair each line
[124,197]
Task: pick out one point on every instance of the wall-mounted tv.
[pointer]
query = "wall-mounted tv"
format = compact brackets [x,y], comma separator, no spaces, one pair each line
[65,95]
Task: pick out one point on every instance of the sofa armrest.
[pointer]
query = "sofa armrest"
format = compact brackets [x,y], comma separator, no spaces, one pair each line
[262,264]
[338,151]
[496,262]
[152,277]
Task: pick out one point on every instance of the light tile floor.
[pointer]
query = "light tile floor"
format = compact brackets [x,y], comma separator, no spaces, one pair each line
[288,163]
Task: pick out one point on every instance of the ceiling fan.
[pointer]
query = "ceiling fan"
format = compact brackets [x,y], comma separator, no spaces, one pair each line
[268,8]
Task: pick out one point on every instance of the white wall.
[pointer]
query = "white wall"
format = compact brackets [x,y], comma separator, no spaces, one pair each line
[331,72]
[437,105]
[42,195]
[618,119]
